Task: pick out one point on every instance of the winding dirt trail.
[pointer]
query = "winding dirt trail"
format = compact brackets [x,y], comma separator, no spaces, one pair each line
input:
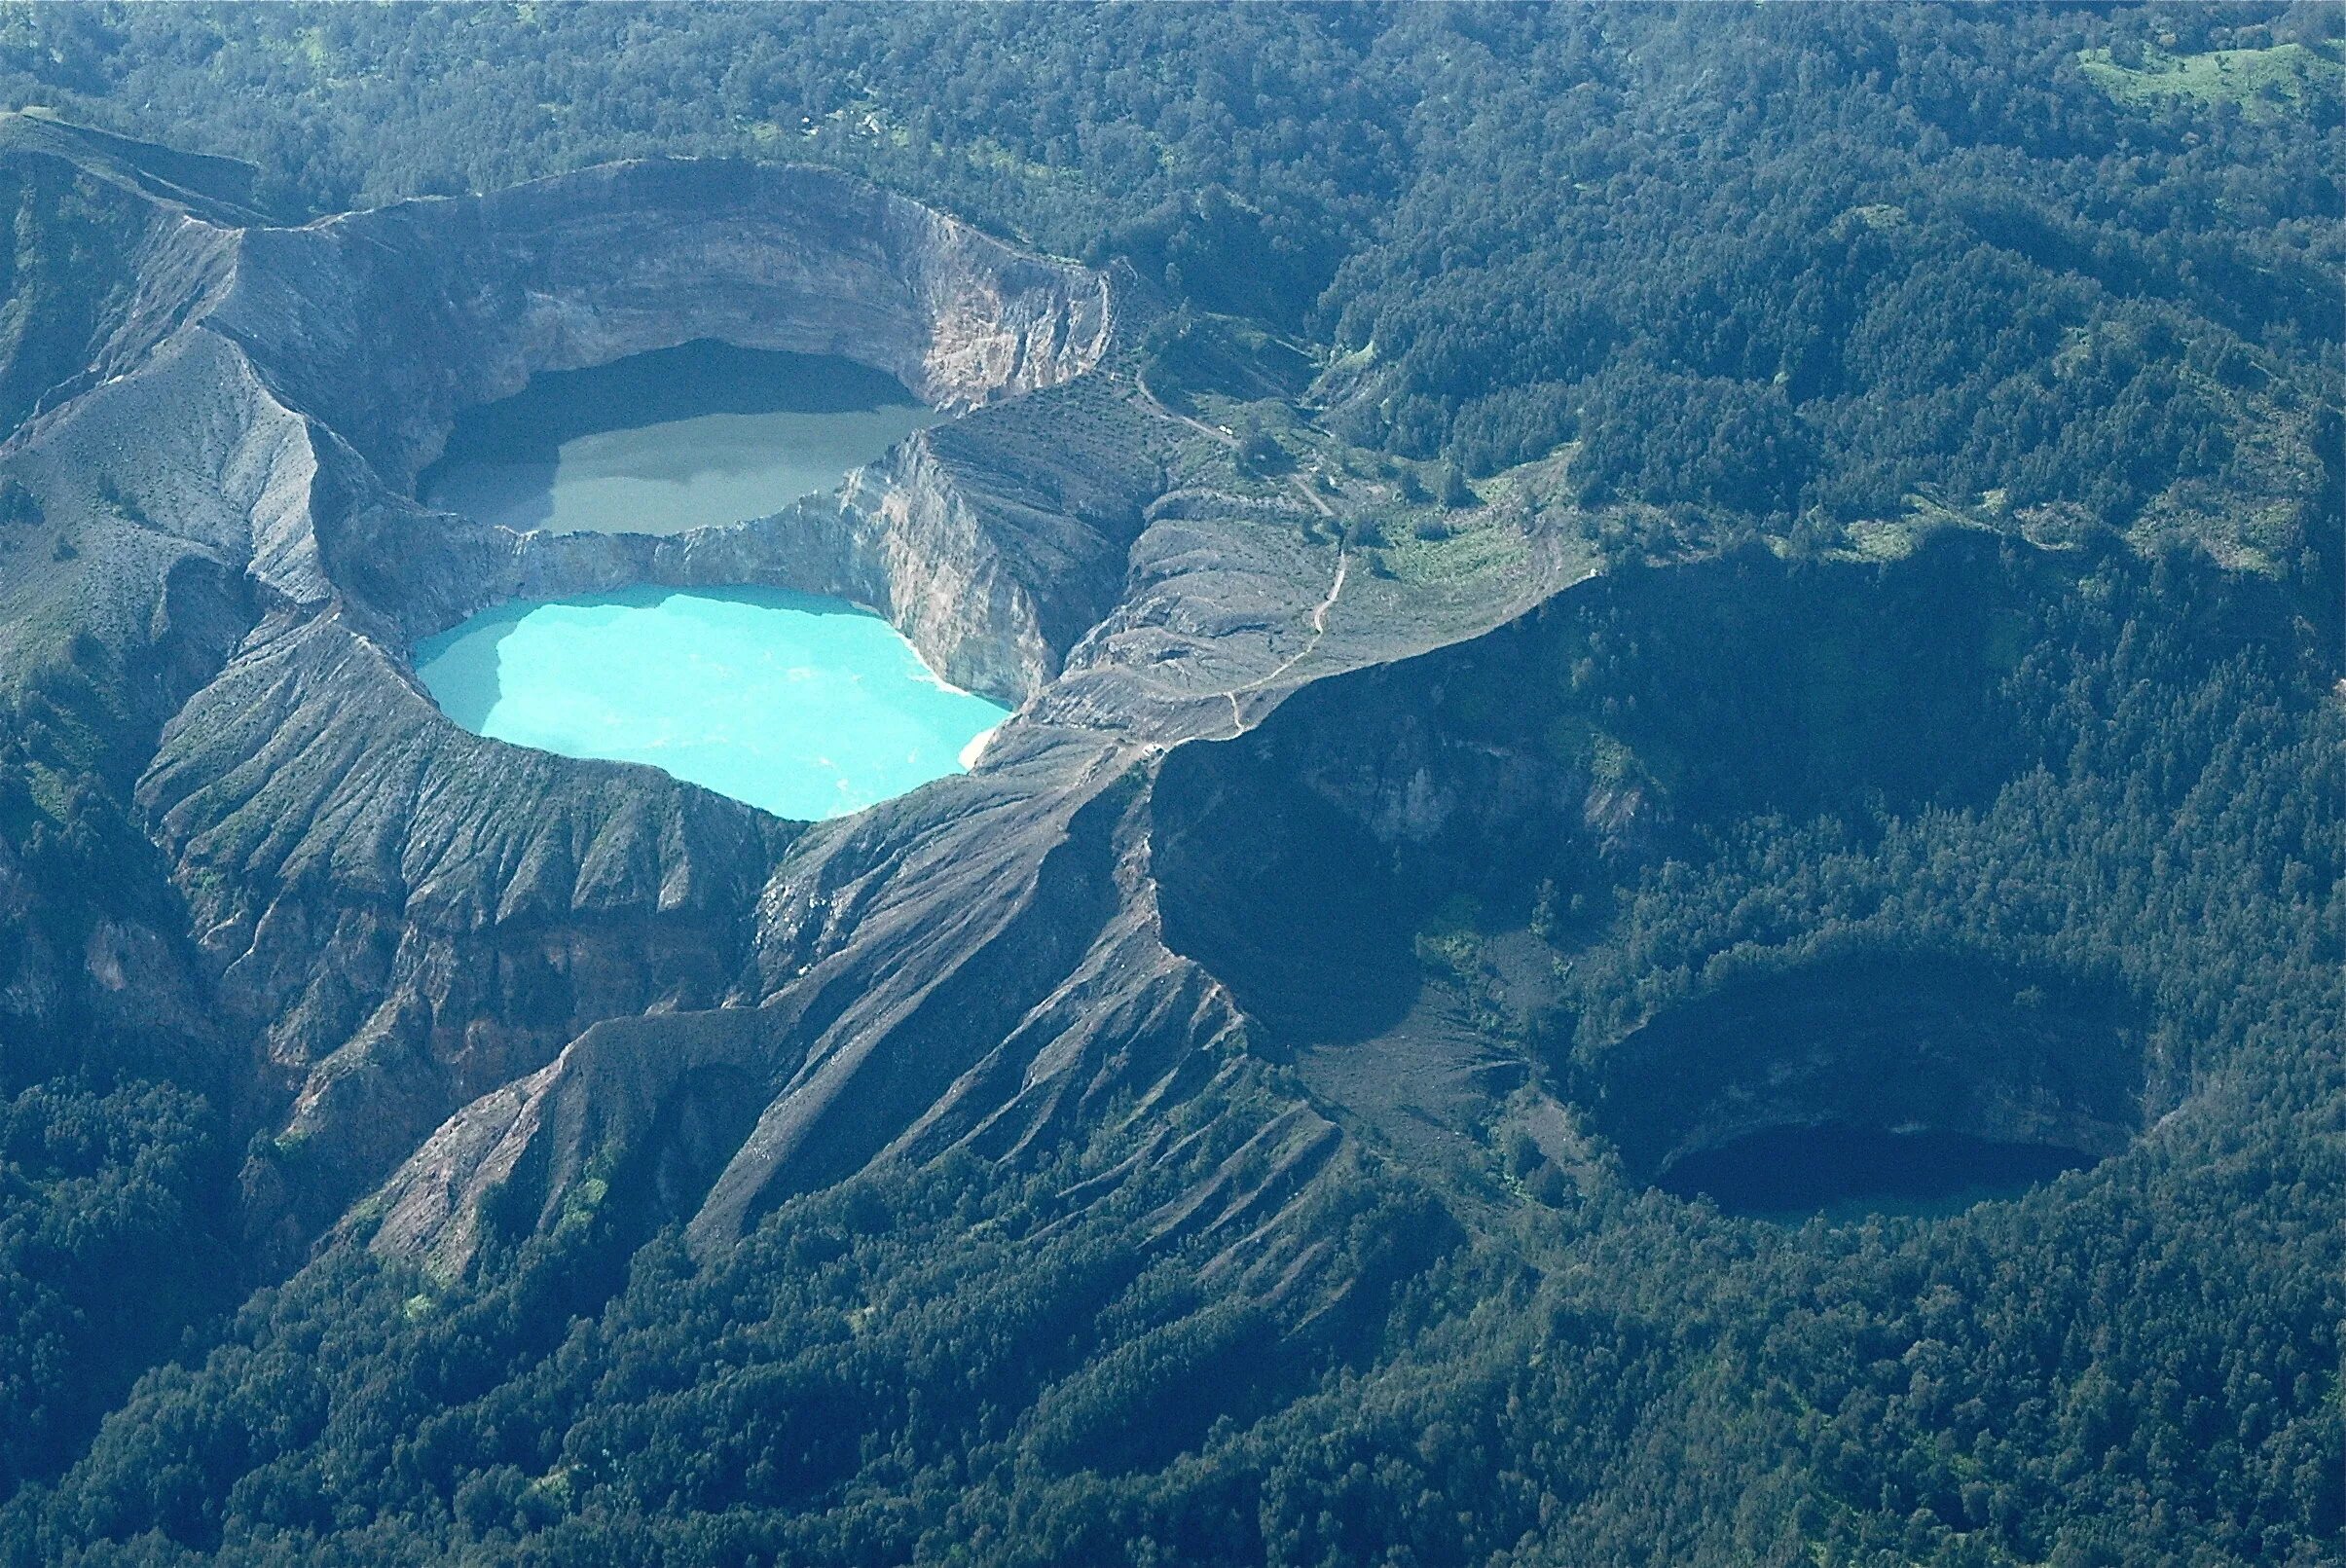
[1319,629]
[1312,495]
[1158,405]
[1313,498]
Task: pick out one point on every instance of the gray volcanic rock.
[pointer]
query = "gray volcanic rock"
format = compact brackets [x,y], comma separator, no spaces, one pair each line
[411,915]
[400,915]
[109,235]
[525,988]
[512,992]
[993,543]
[383,325]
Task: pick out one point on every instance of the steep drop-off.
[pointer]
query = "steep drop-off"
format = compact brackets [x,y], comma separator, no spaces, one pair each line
[499,977]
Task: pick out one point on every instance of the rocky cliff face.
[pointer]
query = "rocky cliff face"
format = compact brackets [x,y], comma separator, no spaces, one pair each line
[993,543]
[383,325]
[478,993]
[410,914]
[517,983]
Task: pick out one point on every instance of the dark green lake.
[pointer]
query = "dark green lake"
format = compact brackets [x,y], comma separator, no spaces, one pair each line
[682,438]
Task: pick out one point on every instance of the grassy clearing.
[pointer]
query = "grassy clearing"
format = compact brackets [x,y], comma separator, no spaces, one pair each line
[1474,552]
[2268,84]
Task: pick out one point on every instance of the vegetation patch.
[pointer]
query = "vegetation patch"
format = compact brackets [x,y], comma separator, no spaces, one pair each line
[2268,84]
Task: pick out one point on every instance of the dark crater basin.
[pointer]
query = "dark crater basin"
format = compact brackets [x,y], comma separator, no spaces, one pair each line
[1874,1082]
[1285,899]
[1844,1171]
[699,435]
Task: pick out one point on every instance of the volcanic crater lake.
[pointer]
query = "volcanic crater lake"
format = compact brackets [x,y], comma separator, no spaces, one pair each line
[701,434]
[807,708]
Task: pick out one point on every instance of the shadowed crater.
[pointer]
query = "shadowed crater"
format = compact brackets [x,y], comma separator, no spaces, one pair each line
[1575,744]
[1283,897]
[1874,1082]
[1842,1170]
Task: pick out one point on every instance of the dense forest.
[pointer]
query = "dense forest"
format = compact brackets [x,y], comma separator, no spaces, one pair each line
[1768,275]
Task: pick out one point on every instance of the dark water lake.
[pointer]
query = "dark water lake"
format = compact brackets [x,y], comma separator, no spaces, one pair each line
[1847,1172]
[701,434]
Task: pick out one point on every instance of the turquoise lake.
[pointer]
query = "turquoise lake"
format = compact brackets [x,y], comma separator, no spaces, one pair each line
[807,708]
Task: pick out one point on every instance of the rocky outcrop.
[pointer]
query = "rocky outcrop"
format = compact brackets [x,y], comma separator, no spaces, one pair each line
[938,979]
[992,544]
[411,915]
[487,994]
[111,238]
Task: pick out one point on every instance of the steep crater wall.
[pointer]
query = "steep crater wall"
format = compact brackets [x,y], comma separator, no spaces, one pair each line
[1605,730]
[399,916]
[383,325]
